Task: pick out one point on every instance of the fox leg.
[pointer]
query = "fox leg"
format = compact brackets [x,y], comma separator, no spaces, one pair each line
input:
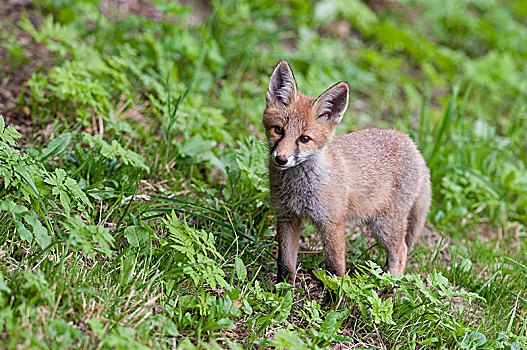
[418,213]
[288,235]
[334,239]
[391,234]
[396,260]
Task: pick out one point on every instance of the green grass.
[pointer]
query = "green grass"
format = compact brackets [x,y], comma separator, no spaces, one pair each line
[135,210]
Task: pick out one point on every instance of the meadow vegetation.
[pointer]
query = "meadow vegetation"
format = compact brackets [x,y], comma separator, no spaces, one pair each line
[134,205]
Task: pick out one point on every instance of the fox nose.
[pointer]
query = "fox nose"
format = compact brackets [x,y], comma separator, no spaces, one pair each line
[280,160]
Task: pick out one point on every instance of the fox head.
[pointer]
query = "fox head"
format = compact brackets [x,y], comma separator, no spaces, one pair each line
[298,126]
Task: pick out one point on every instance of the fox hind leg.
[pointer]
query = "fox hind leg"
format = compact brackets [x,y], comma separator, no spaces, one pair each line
[390,232]
[417,216]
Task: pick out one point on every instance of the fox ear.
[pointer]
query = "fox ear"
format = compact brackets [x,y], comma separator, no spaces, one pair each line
[331,105]
[282,86]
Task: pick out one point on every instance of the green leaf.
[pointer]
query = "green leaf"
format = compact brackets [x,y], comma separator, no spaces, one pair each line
[473,340]
[285,339]
[66,187]
[196,145]
[96,326]
[77,191]
[363,311]
[196,252]
[429,341]
[115,150]
[465,266]
[8,134]
[55,147]
[247,307]
[170,328]
[381,310]
[329,326]
[127,266]
[28,179]
[24,233]
[41,233]
[136,235]
[225,322]
[437,280]
[65,201]
[285,307]
[103,237]
[241,270]
[15,209]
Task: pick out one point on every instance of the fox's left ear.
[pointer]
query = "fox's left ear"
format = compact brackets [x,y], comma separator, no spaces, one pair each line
[331,105]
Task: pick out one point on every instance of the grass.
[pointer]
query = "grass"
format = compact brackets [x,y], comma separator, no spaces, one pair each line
[134,200]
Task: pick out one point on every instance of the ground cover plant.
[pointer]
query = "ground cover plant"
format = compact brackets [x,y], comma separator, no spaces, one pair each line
[134,204]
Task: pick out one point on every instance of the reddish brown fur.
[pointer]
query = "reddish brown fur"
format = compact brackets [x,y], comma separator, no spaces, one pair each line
[303,111]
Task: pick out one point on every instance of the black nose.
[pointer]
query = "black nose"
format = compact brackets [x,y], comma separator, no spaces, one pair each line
[280,160]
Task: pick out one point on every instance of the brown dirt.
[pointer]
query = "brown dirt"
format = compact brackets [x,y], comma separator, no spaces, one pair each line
[116,9]
[15,72]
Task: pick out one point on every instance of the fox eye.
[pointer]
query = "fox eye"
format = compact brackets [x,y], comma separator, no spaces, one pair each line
[323,116]
[304,139]
[279,130]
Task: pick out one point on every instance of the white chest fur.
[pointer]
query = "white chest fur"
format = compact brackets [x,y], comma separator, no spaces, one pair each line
[296,191]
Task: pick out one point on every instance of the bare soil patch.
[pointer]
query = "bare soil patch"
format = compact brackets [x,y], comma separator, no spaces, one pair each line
[16,71]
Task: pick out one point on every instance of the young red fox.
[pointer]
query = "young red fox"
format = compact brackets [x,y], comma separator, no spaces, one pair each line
[372,176]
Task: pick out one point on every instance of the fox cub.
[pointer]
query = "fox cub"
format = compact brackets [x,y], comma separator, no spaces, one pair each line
[372,176]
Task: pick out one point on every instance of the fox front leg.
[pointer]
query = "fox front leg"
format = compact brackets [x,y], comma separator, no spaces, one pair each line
[288,235]
[334,239]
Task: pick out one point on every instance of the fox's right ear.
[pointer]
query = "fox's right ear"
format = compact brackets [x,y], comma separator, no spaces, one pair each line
[282,86]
